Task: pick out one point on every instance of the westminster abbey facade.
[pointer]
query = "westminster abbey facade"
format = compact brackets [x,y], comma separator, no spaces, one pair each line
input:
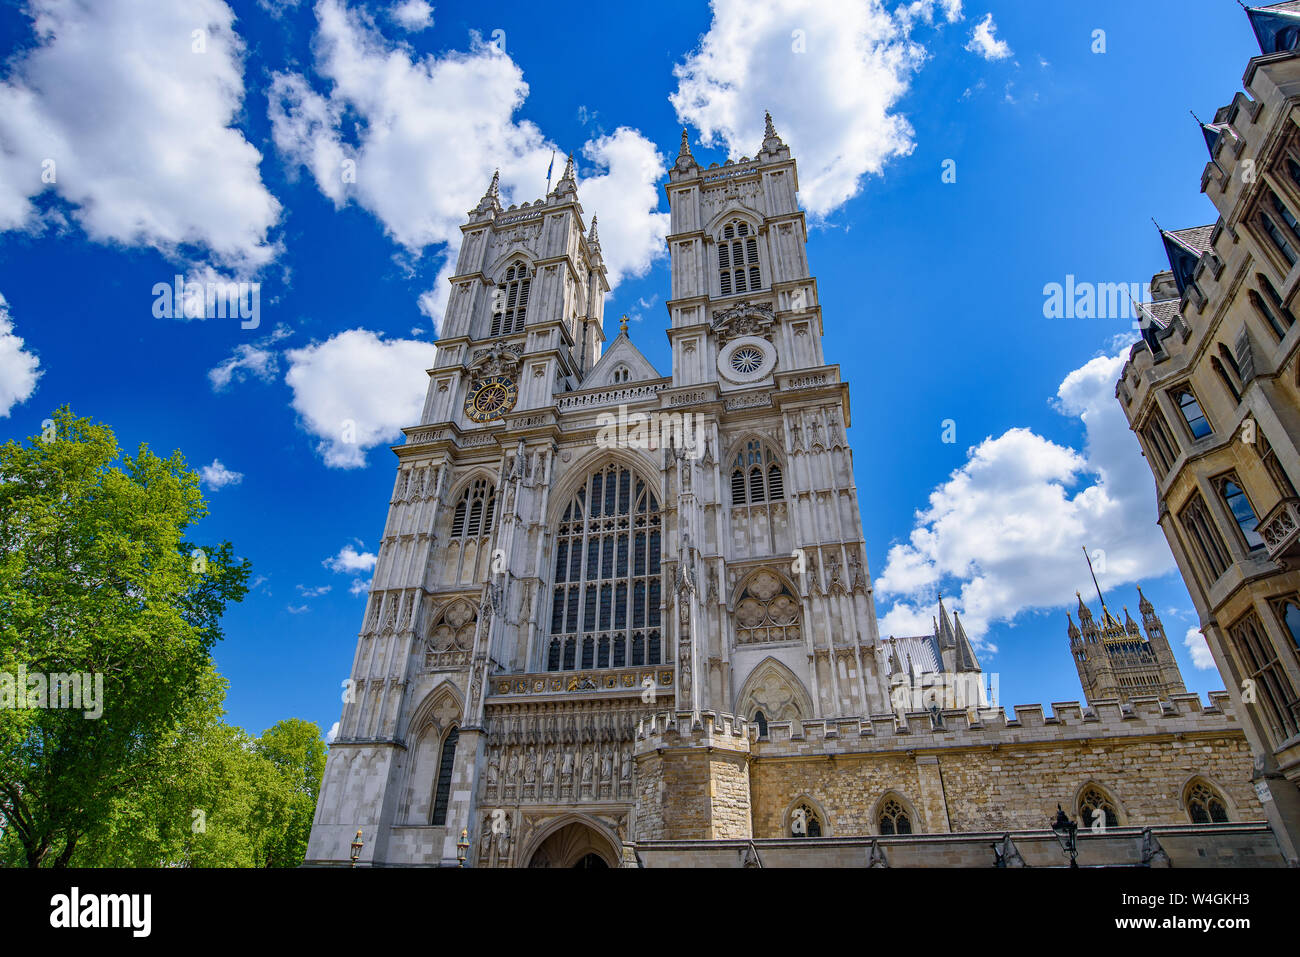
[648,645]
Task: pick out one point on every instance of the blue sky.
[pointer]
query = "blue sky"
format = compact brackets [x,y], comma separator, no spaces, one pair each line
[227,161]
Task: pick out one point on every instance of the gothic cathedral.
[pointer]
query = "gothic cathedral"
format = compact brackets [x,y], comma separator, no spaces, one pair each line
[614,607]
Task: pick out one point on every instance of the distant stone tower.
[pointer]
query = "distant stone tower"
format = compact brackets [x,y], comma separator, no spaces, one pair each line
[1115,661]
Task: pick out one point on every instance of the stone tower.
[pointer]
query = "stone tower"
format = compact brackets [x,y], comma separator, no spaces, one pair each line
[1116,662]
[576,542]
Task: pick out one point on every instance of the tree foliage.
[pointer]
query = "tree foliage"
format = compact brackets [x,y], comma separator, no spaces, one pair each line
[98,577]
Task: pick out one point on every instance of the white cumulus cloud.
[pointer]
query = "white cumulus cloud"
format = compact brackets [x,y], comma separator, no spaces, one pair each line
[1194,642]
[19,369]
[414,139]
[126,110]
[412,15]
[350,560]
[355,391]
[1004,533]
[217,476]
[984,42]
[256,360]
[830,73]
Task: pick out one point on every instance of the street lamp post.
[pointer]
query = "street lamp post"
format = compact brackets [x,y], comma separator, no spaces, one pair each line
[1067,835]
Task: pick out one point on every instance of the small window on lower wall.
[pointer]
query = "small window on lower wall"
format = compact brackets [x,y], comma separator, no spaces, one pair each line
[894,818]
[1205,805]
[804,821]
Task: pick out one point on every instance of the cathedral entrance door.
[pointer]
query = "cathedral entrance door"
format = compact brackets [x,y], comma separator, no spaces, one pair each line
[575,845]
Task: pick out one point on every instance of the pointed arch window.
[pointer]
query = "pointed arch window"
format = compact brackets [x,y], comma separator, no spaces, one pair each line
[894,818]
[738,267]
[605,608]
[1097,810]
[510,301]
[442,790]
[1280,239]
[756,475]
[1243,513]
[760,719]
[1206,805]
[474,509]
[1196,421]
[805,821]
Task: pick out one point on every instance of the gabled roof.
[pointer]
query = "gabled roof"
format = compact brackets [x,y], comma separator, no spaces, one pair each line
[621,352]
[1277,27]
[919,651]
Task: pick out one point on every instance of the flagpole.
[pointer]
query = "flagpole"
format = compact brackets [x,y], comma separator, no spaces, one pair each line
[549,170]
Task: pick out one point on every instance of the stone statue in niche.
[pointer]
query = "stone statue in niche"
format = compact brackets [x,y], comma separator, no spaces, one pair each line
[493,768]
[587,762]
[530,768]
[607,764]
[512,770]
[548,767]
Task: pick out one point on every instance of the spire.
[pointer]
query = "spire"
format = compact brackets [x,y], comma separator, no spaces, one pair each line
[1144,605]
[566,182]
[946,638]
[491,201]
[895,666]
[1085,614]
[771,142]
[1073,630]
[1130,625]
[966,660]
[684,158]
[592,238]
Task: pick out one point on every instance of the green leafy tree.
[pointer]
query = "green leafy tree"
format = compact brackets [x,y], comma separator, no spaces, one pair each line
[97,576]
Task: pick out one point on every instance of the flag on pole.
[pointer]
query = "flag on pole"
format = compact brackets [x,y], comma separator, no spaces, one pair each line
[549,170]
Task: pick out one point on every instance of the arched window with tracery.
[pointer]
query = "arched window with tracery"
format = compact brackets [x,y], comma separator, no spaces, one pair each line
[510,301]
[605,604]
[738,267]
[473,515]
[1205,805]
[756,475]
[767,611]
[1096,809]
[894,818]
[805,821]
[442,789]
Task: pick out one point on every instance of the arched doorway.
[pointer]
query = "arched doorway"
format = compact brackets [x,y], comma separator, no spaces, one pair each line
[575,845]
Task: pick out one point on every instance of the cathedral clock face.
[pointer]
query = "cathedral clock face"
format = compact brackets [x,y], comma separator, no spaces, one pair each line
[491,398]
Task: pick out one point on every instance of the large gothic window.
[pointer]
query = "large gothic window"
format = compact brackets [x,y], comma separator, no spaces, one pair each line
[510,302]
[756,476]
[738,259]
[605,606]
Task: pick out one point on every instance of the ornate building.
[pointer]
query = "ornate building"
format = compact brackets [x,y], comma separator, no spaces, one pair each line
[1213,394]
[1116,662]
[619,616]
